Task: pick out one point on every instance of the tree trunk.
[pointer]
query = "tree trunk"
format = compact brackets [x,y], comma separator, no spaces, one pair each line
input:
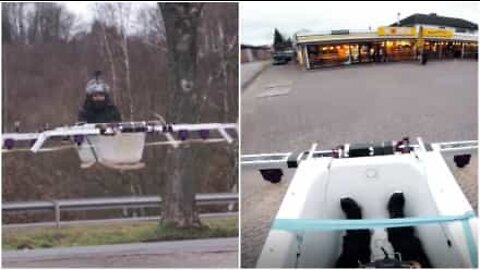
[21,22]
[112,65]
[7,28]
[124,23]
[181,24]
[126,63]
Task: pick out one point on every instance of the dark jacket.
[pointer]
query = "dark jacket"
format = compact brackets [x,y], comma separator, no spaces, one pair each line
[93,112]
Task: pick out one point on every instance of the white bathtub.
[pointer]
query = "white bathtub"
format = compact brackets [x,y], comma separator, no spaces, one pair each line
[122,149]
[315,191]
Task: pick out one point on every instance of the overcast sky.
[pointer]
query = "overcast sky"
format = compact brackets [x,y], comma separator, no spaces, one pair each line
[82,9]
[85,12]
[258,19]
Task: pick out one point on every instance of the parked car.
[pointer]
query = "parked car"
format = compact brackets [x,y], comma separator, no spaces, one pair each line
[282,57]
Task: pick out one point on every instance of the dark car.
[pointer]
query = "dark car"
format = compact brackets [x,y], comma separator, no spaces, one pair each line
[282,57]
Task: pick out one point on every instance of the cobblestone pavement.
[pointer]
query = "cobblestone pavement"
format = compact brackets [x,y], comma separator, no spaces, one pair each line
[350,104]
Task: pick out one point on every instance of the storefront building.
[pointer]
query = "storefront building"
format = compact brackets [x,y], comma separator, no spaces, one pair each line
[387,44]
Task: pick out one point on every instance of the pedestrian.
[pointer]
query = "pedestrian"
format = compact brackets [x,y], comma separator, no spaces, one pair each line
[424,57]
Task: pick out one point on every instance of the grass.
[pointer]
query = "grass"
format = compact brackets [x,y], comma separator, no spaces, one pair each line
[86,235]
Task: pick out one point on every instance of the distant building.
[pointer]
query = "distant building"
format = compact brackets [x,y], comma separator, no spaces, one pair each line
[251,53]
[433,20]
[441,37]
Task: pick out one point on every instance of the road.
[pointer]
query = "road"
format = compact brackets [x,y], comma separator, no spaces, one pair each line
[287,109]
[210,253]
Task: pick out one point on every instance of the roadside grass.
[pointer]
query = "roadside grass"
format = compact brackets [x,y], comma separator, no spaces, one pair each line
[115,233]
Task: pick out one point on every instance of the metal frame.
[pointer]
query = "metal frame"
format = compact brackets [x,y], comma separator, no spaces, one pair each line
[40,138]
[281,160]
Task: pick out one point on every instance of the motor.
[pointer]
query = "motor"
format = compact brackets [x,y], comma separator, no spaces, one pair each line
[395,262]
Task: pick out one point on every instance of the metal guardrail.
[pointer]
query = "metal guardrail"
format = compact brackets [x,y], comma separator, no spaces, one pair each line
[109,203]
[67,223]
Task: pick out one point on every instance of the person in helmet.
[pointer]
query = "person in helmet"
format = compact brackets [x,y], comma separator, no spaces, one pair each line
[98,107]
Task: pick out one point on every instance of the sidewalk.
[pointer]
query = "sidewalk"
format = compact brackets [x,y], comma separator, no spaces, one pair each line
[250,71]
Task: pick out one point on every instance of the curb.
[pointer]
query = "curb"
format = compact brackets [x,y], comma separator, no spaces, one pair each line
[246,84]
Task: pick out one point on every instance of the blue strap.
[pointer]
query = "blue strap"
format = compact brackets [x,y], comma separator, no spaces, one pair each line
[472,246]
[300,225]
[357,224]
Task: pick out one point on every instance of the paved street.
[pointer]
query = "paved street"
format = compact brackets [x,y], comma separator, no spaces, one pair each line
[209,253]
[287,109]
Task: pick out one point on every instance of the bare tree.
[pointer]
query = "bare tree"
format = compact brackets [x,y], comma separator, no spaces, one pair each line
[108,49]
[13,28]
[117,16]
[100,12]
[150,27]
[181,25]
[124,22]
[36,22]
[7,31]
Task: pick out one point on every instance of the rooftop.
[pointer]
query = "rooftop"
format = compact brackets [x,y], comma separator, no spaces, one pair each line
[434,19]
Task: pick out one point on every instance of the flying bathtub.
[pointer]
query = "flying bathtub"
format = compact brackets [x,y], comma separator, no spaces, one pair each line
[308,229]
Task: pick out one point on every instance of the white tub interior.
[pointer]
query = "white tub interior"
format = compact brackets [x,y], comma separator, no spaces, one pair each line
[121,148]
[317,188]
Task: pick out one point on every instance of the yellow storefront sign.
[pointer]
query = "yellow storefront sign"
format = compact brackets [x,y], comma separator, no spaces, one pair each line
[396,31]
[437,32]
[420,42]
